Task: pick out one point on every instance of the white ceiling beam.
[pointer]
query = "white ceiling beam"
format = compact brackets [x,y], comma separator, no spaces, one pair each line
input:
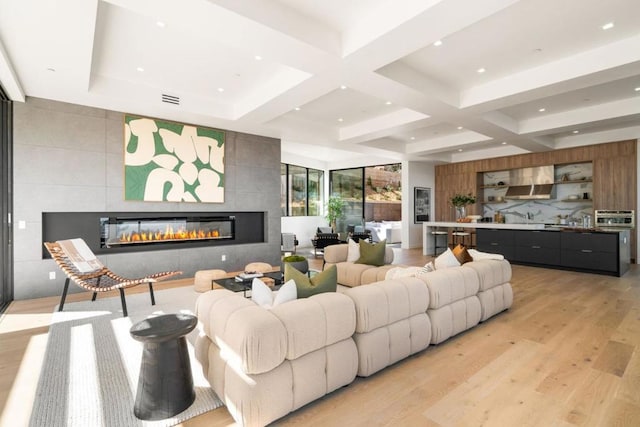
[380,123]
[8,78]
[562,71]
[565,120]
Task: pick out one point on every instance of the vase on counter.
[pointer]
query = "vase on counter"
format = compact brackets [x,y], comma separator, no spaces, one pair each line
[461,212]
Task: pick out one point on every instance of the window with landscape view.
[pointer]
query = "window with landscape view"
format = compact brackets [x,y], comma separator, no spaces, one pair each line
[301,191]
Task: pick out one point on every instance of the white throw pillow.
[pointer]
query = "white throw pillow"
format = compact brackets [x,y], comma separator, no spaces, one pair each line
[353,252]
[264,297]
[477,255]
[428,267]
[446,259]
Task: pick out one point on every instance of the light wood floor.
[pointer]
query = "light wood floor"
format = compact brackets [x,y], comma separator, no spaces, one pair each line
[566,353]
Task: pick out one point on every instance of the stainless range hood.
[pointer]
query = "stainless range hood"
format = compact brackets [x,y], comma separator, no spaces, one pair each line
[530,183]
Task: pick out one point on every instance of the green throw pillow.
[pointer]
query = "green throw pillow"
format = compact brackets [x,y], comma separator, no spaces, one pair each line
[326,281]
[372,253]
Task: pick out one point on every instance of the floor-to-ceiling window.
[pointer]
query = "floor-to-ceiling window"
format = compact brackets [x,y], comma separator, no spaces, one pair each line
[383,193]
[6,190]
[302,191]
[371,193]
[349,184]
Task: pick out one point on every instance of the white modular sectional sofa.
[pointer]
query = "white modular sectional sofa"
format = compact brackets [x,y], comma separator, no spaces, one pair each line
[264,364]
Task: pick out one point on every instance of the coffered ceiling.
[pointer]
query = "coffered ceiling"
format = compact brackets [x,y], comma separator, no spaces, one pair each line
[440,80]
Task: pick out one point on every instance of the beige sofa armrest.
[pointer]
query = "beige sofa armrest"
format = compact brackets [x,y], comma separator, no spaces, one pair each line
[336,253]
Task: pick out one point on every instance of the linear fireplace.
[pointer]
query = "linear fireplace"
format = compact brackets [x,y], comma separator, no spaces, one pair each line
[116,232]
[137,230]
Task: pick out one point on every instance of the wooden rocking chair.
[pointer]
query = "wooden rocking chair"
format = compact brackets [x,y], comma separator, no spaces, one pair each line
[80,265]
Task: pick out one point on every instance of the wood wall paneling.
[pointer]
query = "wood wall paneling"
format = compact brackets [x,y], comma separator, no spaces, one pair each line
[614,176]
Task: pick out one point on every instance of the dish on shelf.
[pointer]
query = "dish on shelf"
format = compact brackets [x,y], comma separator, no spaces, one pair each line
[474,218]
[573,197]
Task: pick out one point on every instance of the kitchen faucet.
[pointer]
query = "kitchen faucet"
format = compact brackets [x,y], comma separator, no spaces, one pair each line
[529,216]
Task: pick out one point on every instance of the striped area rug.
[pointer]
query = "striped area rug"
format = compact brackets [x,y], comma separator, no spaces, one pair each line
[90,371]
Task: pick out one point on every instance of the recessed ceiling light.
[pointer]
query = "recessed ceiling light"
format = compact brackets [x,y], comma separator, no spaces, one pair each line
[220,89]
[459,149]
[343,87]
[504,142]
[53,70]
[258,58]
[576,131]
[607,26]
[481,70]
[388,103]
[437,43]
[140,69]
[297,108]
[459,127]
[161,24]
[637,89]
[412,138]
[340,119]
[542,110]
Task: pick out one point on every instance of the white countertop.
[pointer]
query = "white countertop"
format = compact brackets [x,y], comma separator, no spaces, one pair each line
[485,225]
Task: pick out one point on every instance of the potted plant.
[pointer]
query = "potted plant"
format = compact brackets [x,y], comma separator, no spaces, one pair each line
[299,262]
[460,202]
[335,210]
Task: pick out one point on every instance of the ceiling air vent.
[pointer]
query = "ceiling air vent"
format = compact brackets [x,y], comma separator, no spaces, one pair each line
[170,99]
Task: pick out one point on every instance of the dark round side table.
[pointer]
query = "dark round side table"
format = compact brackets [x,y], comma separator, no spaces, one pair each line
[165,385]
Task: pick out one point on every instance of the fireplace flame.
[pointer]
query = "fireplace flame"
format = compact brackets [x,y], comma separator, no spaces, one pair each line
[168,234]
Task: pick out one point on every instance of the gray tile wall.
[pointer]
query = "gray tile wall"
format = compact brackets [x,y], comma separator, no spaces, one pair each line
[70,158]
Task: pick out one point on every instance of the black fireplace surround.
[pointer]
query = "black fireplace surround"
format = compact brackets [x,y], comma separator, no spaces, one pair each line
[117,232]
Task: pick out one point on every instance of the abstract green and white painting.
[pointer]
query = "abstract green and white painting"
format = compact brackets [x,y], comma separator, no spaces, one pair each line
[173,162]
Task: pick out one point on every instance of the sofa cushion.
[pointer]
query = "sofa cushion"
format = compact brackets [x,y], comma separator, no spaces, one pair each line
[316,322]
[449,285]
[461,254]
[446,260]
[350,274]
[372,253]
[491,272]
[386,302]
[254,338]
[325,281]
[375,274]
[495,300]
[451,319]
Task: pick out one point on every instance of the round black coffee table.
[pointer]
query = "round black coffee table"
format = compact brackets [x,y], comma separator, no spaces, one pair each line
[165,385]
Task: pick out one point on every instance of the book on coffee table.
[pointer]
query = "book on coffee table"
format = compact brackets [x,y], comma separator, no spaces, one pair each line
[242,277]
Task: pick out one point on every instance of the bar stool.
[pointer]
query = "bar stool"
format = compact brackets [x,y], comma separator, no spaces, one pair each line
[438,231]
[461,236]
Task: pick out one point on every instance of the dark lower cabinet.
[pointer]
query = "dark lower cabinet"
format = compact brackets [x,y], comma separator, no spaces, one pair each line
[603,252]
[593,252]
[537,247]
[496,241]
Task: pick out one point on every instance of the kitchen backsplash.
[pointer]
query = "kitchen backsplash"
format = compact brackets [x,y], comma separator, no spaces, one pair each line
[571,197]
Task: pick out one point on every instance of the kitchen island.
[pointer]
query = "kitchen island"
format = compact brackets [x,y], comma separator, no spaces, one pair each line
[593,250]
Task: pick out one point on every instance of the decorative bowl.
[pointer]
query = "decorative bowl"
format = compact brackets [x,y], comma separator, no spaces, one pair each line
[474,218]
[574,197]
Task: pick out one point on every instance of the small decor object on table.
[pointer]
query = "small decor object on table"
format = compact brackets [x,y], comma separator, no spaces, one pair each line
[299,262]
[165,385]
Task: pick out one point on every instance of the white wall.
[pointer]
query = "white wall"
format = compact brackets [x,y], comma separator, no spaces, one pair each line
[414,174]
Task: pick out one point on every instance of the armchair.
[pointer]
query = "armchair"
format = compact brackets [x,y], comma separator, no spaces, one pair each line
[324,238]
